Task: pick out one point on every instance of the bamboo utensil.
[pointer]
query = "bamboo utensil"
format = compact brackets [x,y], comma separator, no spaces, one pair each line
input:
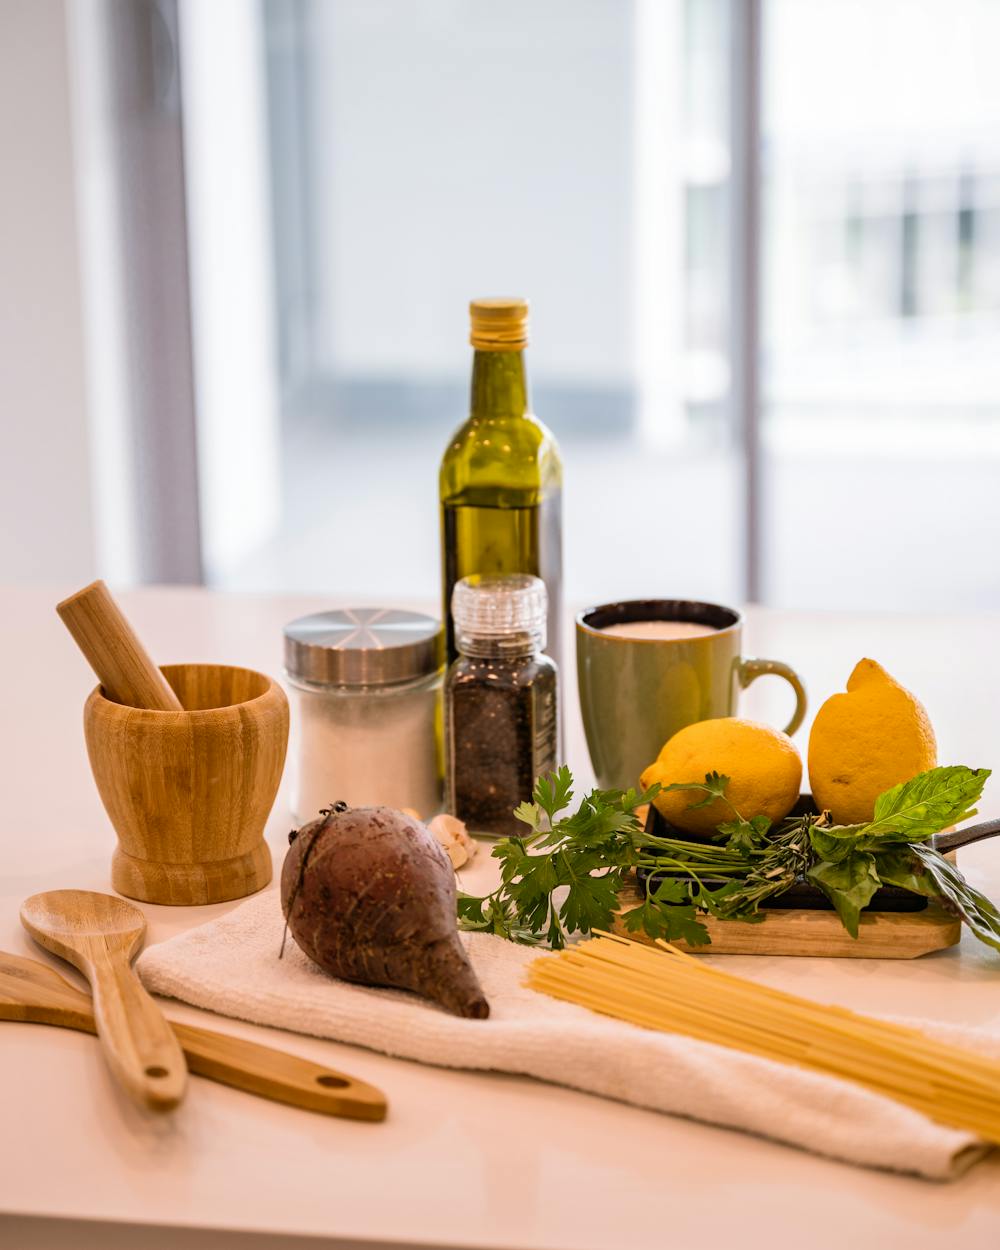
[35,993]
[189,792]
[100,935]
[187,761]
[113,649]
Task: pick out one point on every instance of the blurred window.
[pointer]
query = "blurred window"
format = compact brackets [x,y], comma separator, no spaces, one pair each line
[580,152]
[423,152]
[881,245]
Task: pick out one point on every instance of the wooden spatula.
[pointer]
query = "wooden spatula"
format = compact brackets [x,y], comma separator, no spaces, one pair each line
[33,992]
[100,935]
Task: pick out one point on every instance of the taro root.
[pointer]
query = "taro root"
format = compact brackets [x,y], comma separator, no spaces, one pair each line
[369,894]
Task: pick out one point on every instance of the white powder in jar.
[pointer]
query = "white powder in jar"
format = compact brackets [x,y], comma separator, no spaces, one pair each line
[365,687]
[367,746]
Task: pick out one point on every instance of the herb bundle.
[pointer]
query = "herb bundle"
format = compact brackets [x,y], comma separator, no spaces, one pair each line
[564,875]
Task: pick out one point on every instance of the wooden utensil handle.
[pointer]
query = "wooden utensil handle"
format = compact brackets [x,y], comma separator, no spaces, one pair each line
[277,1075]
[114,651]
[965,837]
[36,993]
[139,1043]
[243,1065]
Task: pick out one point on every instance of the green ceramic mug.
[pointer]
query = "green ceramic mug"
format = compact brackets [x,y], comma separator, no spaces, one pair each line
[636,692]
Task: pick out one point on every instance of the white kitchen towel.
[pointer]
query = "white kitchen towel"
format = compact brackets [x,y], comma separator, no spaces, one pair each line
[231,966]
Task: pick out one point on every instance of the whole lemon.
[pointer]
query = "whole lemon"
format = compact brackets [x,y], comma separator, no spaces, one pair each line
[866,741]
[763,765]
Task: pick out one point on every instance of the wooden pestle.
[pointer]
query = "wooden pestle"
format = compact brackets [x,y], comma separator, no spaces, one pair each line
[114,652]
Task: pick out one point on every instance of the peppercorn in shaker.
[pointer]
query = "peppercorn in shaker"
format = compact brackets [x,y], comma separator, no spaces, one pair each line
[501,706]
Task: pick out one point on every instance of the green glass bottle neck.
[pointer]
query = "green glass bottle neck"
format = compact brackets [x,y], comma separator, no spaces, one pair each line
[499,385]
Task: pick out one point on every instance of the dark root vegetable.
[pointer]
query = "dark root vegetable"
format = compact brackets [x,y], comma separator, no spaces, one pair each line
[369,894]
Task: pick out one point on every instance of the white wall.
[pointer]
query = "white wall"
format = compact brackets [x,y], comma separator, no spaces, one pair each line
[46,531]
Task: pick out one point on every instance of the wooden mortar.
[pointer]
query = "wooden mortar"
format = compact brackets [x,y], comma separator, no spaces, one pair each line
[189,791]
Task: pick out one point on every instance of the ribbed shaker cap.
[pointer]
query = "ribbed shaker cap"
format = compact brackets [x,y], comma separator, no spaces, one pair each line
[499,325]
[513,607]
[363,647]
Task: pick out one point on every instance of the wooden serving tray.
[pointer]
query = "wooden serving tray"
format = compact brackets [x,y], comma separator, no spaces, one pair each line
[813,931]
[802,931]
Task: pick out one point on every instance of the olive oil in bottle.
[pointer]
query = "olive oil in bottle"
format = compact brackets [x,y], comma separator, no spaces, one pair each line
[501,476]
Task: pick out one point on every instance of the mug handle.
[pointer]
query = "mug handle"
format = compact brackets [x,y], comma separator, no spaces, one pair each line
[749,670]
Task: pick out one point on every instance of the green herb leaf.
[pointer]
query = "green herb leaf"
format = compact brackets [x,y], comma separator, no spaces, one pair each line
[713,787]
[917,809]
[745,836]
[683,925]
[586,854]
[591,901]
[666,913]
[670,892]
[530,814]
[491,915]
[584,860]
[836,842]
[470,910]
[848,884]
[898,866]
[554,792]
[926,871]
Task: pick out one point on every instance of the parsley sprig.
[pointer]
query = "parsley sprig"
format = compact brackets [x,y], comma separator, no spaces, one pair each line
[564,875]
[585,858]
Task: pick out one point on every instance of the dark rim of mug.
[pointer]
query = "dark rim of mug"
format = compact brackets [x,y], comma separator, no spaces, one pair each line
[596,620]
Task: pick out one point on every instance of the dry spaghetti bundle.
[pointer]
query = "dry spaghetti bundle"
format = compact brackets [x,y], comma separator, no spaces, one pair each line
[661,988]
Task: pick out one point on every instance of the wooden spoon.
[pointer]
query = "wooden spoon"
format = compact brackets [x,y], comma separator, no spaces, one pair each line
[37,994]
[100,935]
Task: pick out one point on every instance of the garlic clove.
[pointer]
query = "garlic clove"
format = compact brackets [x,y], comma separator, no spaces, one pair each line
[454,837]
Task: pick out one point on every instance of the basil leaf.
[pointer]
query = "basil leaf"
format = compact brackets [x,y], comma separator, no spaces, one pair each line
[899,866]
[835,842]
[917,809]
[926,871]
[849,885]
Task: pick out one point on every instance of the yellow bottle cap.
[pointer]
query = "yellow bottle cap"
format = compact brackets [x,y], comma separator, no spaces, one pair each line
[499,325]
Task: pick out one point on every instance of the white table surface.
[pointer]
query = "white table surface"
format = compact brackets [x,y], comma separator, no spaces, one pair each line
[464,1159]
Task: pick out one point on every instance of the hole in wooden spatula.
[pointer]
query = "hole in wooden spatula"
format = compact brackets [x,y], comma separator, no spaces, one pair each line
[332,1082]
[157,1073]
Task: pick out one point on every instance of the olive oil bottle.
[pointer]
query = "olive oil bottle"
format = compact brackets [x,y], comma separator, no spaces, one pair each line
[501,476]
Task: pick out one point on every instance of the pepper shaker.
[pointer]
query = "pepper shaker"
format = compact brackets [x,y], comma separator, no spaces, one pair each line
[501,704]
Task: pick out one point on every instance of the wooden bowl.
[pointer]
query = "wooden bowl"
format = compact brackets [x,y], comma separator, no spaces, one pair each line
[189,792]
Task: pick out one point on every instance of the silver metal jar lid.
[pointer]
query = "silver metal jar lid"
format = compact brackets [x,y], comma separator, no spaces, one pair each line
[363,647]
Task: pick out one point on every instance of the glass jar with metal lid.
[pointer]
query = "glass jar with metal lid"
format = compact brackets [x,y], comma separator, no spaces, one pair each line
[365,686]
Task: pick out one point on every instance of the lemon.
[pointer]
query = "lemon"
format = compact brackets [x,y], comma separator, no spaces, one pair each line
[866,741]
[763,765]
